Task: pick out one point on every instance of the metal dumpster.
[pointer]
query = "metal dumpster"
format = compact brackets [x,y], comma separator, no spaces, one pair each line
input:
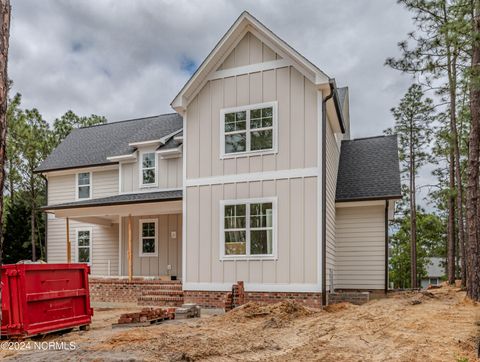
[42,298]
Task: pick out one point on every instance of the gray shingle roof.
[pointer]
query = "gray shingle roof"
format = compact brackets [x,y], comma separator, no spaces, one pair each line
[120,200]
[92,145]
[369,169]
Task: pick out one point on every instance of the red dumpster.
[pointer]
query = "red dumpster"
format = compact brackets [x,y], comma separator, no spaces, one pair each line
[41,298]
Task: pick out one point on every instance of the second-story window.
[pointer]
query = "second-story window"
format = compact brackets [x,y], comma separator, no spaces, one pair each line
[149,167]
[249,129]
[84,185]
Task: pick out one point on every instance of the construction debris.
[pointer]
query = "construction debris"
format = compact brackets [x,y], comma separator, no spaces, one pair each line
[189,310]
[236,297]
[145,317]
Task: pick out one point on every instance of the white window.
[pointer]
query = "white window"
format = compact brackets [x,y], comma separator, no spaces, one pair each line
[248,229]
[84,185]
[148,169]
[250,129]
[84,245]
[148,237]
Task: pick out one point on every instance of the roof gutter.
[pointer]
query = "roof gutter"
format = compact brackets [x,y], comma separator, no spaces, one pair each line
[324,192]
[338,107]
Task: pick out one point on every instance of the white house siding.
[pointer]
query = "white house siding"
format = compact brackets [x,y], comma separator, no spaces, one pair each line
[298,261]
[296,237]
[250,50]
[360,247]
[104,245]
[61,188]
[333,156]
[169,248]
[297,122]
[169,174]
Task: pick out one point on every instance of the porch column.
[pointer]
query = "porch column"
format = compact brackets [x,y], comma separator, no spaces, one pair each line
[130,264]
[69,245]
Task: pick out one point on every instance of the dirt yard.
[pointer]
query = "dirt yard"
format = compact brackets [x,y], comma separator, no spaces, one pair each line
[438,325]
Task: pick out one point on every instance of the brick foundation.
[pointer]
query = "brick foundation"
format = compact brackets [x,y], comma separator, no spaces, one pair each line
[209,299]
[120,290]
[350,297]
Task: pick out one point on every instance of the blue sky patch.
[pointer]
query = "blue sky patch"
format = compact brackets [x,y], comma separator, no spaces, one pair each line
[188,65]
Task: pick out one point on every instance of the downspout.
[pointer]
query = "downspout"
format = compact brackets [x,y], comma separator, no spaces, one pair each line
[324,194]
[386,245]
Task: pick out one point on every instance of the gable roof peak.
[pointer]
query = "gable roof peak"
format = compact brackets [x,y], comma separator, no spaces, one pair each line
[246,22]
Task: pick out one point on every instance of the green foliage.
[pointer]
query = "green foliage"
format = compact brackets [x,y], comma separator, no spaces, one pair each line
[30,139]
[431,241]
[65,124]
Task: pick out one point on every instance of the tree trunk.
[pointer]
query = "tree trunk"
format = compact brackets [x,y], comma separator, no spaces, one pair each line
[413,216]
[451,221]
[457,165]
[473,270]
[5,11]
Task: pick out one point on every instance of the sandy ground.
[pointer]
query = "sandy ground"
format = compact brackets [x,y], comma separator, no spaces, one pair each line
[438,325]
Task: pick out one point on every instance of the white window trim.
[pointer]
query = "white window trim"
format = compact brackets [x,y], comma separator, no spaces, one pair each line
[140,170]
[140,237]
[223,203]
[90,230]
[77,186]
[247,108]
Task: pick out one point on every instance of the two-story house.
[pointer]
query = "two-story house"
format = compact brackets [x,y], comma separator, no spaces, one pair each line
[253,178]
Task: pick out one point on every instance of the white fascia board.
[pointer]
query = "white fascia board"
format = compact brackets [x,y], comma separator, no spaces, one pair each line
[343,204]
[128,157]
[145,143]
[170,153]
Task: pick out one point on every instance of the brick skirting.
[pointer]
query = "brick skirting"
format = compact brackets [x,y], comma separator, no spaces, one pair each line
[120,290]
[208,299]
[350,297]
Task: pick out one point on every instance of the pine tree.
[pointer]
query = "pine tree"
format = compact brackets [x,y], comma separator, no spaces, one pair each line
[413,117]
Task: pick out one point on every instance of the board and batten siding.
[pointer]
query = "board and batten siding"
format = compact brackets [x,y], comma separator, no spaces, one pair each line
[250,50]
[169,248]
[104,245]
[297,123]
[169,174]
[333,157]
[297,197]
[360,247]
[296,233]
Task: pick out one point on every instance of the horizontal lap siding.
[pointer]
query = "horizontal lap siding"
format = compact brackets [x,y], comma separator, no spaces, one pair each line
[296,233]
[105,183]
[104,245]
[360,248]
[333,155]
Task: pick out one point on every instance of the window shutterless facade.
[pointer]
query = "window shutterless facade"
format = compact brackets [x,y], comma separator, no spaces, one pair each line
[148,169]
[148,237]
[248,130]
[84,246]
[84,185]
[248,229]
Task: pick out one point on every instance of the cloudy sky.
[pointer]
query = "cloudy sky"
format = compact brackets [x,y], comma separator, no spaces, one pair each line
[127,59]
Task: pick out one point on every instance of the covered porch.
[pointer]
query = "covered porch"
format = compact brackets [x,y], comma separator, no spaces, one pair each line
[136,235]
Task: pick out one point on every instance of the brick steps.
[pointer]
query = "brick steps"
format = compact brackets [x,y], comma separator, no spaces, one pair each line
[164,294]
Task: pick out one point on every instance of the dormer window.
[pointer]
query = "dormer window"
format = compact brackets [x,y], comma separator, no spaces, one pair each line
[249,130]
[84,185]
[148,173]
